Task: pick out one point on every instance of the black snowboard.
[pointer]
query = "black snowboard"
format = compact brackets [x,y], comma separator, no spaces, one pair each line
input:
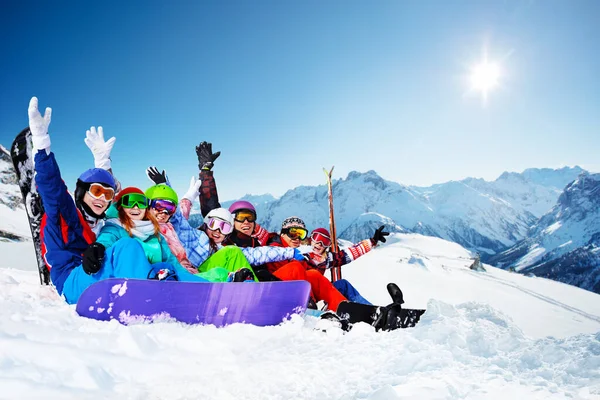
[402,317]
[21,154]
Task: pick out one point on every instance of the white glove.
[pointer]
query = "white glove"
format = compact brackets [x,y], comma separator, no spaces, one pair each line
[194,191]
[100,149]
[38,126]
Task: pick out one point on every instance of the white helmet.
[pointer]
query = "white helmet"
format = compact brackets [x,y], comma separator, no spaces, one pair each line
[222,214]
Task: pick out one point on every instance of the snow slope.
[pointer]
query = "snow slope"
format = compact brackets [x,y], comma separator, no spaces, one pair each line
[492,335]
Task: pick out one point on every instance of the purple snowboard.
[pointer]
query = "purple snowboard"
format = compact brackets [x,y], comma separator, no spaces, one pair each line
[132,301]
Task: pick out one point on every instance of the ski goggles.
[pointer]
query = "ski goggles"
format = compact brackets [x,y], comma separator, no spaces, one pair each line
[242,216]
[215,223]
[321,238]
[295,233]
[98,190]
[162,205]
[134,199]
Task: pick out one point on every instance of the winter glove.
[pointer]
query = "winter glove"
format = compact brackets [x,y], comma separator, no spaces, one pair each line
[379,236]
[99,147]
[38,126]
[194,191]
[299,256]
[93,257]
[242,275]
[206,157]
[157,177]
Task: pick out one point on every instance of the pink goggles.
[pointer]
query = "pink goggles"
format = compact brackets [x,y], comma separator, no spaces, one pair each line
[215,223]
[321,238]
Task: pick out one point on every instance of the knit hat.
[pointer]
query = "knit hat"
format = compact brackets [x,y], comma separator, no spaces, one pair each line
[127,190]
[292,222]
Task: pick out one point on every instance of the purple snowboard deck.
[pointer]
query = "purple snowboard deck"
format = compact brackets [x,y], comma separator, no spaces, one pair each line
[132,301]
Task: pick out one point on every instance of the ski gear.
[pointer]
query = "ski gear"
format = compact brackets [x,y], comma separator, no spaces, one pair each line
[321,235]
[98,190]
[206,157]
[295,232]
[223,215]
[244,215]
[127,301]
[38,125]
[242,275]
[93,257]
[131,200]
[98,175]
[157,177]
[379,236]
[163,192]
[99,147]
[22,159]
[336,273]
[166,206]
[193,191]
[215,223]
[241,205]
[299,256]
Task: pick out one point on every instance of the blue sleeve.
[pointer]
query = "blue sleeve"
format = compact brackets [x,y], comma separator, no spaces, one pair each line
[109,234]
[63,248]
[265,254]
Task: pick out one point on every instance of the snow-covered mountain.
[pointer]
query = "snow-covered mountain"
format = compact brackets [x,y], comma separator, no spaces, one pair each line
[564,244]
[484,216]
[13,224]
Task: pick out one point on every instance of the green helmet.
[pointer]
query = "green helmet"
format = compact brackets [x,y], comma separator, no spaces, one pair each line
[162,191]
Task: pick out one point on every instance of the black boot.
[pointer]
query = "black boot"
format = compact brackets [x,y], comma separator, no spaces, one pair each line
[311,304]
[395,293]
[342,323]
[243,275]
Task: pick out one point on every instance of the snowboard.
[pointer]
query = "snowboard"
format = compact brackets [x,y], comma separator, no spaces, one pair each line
[356,312]
[21,155]
[134,301]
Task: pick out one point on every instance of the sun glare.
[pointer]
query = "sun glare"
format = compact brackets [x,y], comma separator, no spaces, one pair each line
[485,76]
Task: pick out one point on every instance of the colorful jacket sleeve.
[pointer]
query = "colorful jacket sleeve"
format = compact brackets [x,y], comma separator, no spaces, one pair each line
[350,254]
[110,233]
[186,208]
[266,254]
[194,241]
[63,248]
[209,197]
[261,234]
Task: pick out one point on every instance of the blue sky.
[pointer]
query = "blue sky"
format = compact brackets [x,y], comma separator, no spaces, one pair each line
[286,88]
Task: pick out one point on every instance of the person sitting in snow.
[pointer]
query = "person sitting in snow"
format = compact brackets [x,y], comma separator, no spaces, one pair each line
[205,248]
[321,258]
[69,224]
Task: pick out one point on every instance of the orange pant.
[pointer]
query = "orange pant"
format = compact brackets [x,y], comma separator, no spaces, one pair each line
[322,289]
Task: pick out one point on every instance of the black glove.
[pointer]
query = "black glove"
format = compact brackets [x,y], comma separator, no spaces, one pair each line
[155,176]
[379,236]
[206,158]
[93,257]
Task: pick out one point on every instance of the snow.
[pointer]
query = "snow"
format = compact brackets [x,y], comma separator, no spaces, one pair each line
[493,335]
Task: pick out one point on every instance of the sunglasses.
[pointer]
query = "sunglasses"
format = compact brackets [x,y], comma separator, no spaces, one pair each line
[215,223]
[134,199]
[97,190]
[295,233]
[321,238]
[161,205]
[242,216]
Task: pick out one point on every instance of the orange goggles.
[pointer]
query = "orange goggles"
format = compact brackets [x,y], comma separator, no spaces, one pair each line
[242,216]
[296,233]
[98,190]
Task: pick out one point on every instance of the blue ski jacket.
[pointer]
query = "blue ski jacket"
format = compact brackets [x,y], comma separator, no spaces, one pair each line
[64,232]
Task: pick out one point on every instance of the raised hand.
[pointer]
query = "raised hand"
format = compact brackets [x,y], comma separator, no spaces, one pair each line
[206,158]
[194,190]
[38,125]
[379,236]
[157,177]
[99,147]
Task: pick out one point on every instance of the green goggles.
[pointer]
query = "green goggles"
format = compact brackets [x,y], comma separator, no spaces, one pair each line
[134,199]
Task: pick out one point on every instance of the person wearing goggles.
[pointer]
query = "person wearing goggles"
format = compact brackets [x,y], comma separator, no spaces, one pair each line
[198,250]
[321,258]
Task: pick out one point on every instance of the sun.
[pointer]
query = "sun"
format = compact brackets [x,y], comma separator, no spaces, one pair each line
[485,77]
